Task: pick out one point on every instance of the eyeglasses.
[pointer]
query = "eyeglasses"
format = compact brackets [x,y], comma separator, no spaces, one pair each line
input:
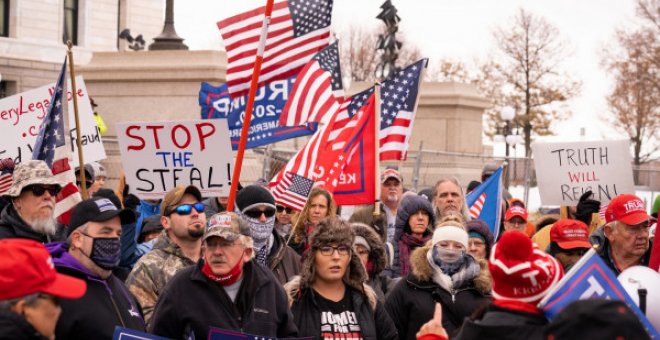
[186,209]
[269,212]
[329,250]
[39,190]
[281,208]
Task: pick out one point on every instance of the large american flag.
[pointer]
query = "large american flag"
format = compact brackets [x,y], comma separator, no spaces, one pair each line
[305,162]
[398,103]
[317,92]
[293,191]
[51,148]
[297,30]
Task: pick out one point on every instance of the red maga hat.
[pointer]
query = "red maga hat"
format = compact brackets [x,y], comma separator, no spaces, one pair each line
[570,234]
[27,268]
[628,209]
[515,211]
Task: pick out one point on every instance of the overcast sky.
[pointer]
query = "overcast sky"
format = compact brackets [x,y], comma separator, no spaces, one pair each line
[461,30]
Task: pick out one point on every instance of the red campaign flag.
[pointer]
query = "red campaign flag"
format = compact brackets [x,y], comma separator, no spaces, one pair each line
[654,261]
[51,148]
[306,160]
[297,30]
[318,91]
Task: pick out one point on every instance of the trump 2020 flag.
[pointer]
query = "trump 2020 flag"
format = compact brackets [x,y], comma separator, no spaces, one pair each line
[269,101]
[485,201]
[590,278]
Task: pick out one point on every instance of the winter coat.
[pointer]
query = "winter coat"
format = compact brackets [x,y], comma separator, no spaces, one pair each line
[107,302]
[144,210]
[380,283]
[411,302]
[191,303]
[283,260]
[13,226]
[504,324]
[370,313]
[365,215]
[154,270]
[211,207]
[15,327]
[409,205]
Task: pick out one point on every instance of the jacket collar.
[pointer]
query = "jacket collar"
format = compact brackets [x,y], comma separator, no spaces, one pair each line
[21,228]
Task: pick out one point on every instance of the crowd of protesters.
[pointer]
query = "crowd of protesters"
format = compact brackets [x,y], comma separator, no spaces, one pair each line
[412,266]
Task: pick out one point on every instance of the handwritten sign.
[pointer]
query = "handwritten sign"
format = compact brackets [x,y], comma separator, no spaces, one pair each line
[157,156]
[21,116]
[567,170]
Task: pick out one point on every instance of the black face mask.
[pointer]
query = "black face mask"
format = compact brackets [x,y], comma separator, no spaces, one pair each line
[106,252]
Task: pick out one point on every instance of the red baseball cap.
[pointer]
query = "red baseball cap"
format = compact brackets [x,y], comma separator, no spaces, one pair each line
[27,268]
[628,209]
[570,234]
[515,211]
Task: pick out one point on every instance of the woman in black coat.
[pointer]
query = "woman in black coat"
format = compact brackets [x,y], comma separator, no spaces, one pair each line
[461,284]
[330,299]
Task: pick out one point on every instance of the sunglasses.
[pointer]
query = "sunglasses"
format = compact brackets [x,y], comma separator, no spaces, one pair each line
[281,208]
[39,190]
[186,209]
[269,212]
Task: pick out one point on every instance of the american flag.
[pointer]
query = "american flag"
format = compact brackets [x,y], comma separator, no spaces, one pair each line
[398,103]
[6,173]
[305,162]
[293,191]
[317,92]
[475,209]
[51,148]
[297,30]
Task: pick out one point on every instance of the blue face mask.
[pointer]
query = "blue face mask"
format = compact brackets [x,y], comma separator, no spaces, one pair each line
[106,252]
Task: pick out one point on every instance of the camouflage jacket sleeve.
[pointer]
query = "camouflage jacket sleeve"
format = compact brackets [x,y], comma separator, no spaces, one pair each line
[141,283]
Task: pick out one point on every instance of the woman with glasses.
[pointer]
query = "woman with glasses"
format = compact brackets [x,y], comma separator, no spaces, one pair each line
[319,206]
[283,220]
[481,239]
[330,299]
[441,271]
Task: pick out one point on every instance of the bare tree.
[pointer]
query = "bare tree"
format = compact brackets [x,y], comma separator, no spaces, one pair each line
[527,76]
[359,57]
[449,70]
[634,62]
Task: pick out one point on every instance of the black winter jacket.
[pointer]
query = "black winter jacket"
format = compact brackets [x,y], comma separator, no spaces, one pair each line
[15,327]
[191,303]
[374,321]
[106,303]
[283,260]
[411,303]
[504,324]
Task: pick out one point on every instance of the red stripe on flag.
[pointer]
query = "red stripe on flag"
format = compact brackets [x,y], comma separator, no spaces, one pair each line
[60,166]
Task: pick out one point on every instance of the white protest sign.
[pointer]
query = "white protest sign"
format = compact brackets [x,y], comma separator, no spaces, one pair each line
[567,170]
[157,156]
[21,116]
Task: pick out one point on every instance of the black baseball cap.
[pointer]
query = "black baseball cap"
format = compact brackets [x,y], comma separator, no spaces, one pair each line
[98,209]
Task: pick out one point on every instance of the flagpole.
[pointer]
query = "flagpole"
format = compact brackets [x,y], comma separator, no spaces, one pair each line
[249,106]
[81,163]
[376,213]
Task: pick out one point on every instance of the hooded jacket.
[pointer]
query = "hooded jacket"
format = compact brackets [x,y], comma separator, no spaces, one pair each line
[412,301]
[144,210]
[365,215]
[107,302]
[154,270]
[191,303]
[283,260]
[15,327]
[13,226]
[409,205]
[370,313]
[212,207]
[378,281]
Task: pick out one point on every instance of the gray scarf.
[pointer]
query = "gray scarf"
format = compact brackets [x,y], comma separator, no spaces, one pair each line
[461,276]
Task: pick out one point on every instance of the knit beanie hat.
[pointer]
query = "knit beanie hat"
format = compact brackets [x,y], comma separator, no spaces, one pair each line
[450,232]
[520,271]
[480,227]
[253,194]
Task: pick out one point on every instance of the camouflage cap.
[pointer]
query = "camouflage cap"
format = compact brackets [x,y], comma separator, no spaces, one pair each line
[228,226]
[175,196]
[28,173]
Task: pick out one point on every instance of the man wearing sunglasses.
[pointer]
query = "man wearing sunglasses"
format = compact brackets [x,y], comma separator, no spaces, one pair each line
[32,203]
[257,207]
[177,247]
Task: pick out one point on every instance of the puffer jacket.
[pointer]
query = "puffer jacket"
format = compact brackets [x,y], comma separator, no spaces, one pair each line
[371,315]
[408,206]
[412,301]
